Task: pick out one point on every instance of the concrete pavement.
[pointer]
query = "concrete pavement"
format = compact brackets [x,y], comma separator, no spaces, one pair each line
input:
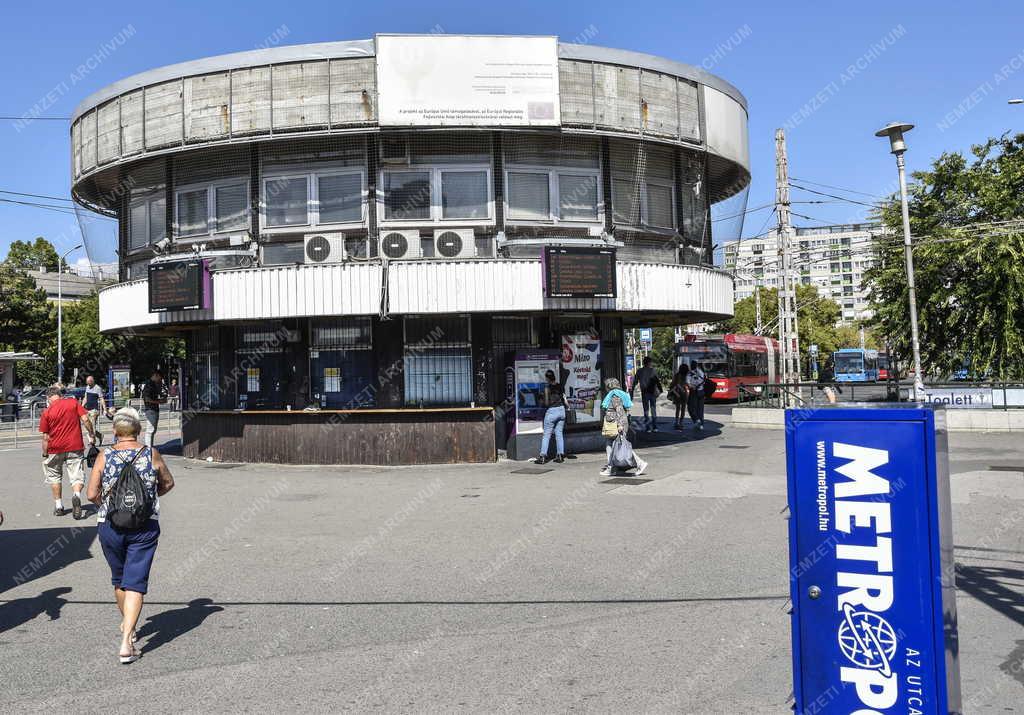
[470,588]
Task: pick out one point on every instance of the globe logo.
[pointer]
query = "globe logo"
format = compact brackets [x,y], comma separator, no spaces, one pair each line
[867,640]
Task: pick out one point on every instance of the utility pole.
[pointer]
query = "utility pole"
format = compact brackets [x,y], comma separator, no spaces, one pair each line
[789,334]
[757,308]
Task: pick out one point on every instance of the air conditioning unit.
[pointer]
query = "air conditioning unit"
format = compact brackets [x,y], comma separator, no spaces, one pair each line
[324,247]
[454,243]
[398,245]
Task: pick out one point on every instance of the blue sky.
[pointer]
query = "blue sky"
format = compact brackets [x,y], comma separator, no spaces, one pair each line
[946,67]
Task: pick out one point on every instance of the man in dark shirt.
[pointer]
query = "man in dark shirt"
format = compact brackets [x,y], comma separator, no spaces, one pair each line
[650,388]
[152,397]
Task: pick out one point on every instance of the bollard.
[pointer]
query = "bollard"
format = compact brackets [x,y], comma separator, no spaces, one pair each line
[874,626]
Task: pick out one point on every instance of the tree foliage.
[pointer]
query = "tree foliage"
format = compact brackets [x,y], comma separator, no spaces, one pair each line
[970,277]
[28,323]
[31,255]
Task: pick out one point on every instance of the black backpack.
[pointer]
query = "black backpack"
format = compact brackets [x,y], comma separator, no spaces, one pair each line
[129,505]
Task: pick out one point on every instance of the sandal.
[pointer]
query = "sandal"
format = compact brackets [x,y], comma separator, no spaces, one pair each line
[134,656]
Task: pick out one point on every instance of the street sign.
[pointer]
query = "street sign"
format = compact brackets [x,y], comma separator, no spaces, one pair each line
[959,398]
[646,338]
[813,350]
[871,572]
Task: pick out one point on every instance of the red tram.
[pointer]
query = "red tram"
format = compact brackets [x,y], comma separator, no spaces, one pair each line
[732,360]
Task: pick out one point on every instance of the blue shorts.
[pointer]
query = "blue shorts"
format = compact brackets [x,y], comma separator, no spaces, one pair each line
[130,554]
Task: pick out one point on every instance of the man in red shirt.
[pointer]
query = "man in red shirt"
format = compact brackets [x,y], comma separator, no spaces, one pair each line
[61,424]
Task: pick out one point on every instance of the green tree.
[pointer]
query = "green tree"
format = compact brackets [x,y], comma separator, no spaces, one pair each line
[28,323]
[91,352]
[816,318]
[967,219]
[29,255]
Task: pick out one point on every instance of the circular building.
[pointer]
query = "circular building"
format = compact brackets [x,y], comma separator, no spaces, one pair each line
[369,245]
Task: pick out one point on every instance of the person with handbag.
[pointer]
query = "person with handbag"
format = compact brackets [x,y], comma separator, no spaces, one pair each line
[614,428]
[126,483]
[554,419]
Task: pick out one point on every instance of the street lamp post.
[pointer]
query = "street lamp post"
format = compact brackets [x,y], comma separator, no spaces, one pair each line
[60,315]
[895,133]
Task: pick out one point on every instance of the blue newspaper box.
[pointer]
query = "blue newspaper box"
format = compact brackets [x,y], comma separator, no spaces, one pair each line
[871,561]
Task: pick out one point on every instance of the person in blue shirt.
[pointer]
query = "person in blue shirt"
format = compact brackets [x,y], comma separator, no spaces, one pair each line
[616,405]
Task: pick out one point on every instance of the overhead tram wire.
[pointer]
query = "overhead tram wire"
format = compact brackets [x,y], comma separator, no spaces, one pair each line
[836,188]
[742,213]
[834,196]
[67,210]
[37,196]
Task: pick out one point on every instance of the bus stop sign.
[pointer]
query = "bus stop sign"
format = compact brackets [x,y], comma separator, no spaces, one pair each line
[871,561]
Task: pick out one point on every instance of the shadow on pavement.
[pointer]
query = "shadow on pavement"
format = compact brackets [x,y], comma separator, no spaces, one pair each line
[22,610]
[165,627]
[29,554]
[667,435]
[995,586]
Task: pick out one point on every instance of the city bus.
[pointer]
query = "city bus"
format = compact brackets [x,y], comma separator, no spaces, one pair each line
[731,360]
[856,365]
[883,366]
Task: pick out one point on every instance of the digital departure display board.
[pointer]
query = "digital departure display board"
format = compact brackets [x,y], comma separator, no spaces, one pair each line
[176,286]
[579,272]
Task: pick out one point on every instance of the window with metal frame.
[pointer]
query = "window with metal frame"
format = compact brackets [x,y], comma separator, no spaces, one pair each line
[147,220]
[438,361]
[324,197]
[552,179]
[437,194]
[205,209]
[643,185]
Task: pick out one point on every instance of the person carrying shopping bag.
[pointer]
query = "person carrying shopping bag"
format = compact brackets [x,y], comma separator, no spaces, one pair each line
[615,426]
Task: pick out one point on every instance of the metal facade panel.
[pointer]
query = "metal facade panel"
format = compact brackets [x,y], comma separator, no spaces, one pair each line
[250,100]
[296,291]
[464,286]
[206,100]
[726,127]
[126,305]
[689,112]
[576,92]
[131,123]
[108,132]
[617,97]
[659,108]
[76,148]
[300,95]
[353,91]
[163,114]
[88,130]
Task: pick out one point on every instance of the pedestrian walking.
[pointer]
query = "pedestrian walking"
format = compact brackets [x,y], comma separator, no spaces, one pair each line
[678,392]
[616,405]
[152,397]
[174,395]
[94,403]
[128,529]
[826,381]
[63,448]
[650,389]
[554,419]
[695,382]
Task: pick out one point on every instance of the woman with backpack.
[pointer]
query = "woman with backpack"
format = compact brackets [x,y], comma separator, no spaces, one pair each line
[696,381]
[126,483]
[615,425]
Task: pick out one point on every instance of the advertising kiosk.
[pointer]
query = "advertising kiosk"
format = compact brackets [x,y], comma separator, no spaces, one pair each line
[871,561]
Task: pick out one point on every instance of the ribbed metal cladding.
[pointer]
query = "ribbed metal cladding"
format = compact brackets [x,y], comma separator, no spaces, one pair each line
[126,305]
[296,291]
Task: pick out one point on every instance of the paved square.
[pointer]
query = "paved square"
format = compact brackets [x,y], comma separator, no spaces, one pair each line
[470,588]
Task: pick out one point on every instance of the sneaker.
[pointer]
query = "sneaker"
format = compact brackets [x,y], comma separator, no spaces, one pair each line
[700,426]
[541,459]
[606,471]
[559,458]
[76,507]
[58,511]
[641,467]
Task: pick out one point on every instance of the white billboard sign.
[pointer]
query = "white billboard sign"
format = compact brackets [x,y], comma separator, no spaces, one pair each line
[960,398]
[467,80]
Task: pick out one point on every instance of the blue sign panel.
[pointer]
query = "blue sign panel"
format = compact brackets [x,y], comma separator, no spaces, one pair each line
[872,580]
